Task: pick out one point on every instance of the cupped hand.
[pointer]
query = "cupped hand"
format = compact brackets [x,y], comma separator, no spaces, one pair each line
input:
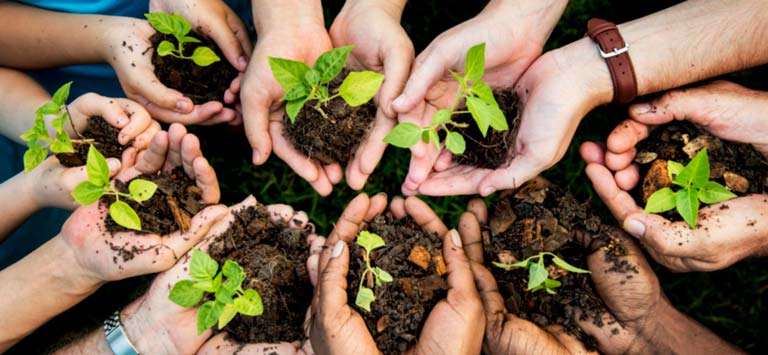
[515,41]
[381,45]
[131,119]
[129,52]
[262,107]
[725,233]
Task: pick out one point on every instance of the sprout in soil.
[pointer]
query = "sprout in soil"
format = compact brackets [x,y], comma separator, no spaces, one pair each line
[370,241]
[179,28]
[695,186]
[37,137]
[229,296]
[302,83]
[481,104]
[538,276]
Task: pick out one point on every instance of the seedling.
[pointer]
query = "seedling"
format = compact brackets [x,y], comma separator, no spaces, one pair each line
[37,138]
[88,192]
[481,105]
[229,296]
[370,241]
[538,277]
[695,186]
[179,28]
[302,83]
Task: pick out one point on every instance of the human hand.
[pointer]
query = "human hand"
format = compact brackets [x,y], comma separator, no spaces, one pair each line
[381,45]
[520,30]
[133,121]
[725,233]
[128,50]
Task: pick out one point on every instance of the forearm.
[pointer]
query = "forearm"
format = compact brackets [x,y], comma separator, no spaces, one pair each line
[270,15]
[46,39]
[37,288]
[93,343]
[14,214]
[540,16]
[20,96]
[392,7]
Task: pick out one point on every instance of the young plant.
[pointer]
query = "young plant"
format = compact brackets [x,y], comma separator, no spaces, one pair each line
[370,241]
[88,192]
[695,186]
[481,105]
[179,28]
[226,286]
[302,83]
[37,137]
[538,277]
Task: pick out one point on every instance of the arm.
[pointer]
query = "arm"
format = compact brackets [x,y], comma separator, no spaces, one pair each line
[20,96]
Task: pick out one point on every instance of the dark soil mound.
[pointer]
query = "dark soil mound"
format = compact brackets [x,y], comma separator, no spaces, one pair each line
[104,138]
[545,218]
[332,139]
[493,150]
[274,258]
[401,306]
[200,84]
[170,208]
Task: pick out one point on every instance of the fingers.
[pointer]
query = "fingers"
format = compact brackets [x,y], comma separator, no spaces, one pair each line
[165,102]
[222,30]
[313,262]
[370,151]
[424,216]
[397,66]
[241,33]
[479,209]
[428,68]
[141,127]
[461,282]
[308,169]
[197,113]
[205,179]
[626,178]
[626,135]
[176,134]
[256,102]
[493,302]
[332,283]
[617,200]
[570,342]
[148,161]
[378,204]
[592,152]
[347,226]
[458,180]
[397,207]
[521,169]
[471,237]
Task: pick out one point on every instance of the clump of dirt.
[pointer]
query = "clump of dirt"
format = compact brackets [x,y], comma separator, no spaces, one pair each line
[738,166]
[414,258]
[200,84]
[274,258]
[99,133]
[496,148]
[541,217]
[170,208]
[333,139]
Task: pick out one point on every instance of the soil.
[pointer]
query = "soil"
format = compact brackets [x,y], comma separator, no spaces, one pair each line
[414,259]
[497,148]
[104,138]
[542,217]
[333,139]
[274,258]
[738,166]
[200,84]
[170,208]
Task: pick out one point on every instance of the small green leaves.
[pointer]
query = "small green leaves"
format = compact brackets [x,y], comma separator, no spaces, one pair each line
[364,298]
[227,314]
[208,315]
[179,27]
[124,215]
[330,63]
[60,96]
[34,155]
[141,190]
[37,138]
[185,294]
[475,63]
[713,192]
[404,135]
[455,143]
[165,48]
[687,205]
[441,117]
[204,56]
[674,168]
[288,73]
[661,201]
[202,266]
[360,87]
[696,173]
[566,266]
[538,276]
[162,22]
[97,168]
[86,193]
[249,303]
[292,108]
[369,241]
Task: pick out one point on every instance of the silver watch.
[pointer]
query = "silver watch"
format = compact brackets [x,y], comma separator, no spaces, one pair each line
[116,338]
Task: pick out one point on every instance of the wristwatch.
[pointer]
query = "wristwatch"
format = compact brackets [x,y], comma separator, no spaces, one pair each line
[116,338]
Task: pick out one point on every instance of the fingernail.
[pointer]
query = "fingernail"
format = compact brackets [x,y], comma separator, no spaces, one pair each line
[242,62]
[337,249]
[634,227]
[182,105]
[400,100]
[256,156]
[487,190]
[113,164]
[642,109]
[455,238]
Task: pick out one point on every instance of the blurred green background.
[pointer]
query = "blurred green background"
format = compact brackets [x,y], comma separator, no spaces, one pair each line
[730,302]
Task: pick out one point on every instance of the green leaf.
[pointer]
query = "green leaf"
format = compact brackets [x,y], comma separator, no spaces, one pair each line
[520,264]
[425,135]
[249,303]
[370,241]
[364,298]
[296,93]
[288,73]
[202,267]
[455,143]
[441,117]
[161,22]
[537,274]
[62,143]
[210,285]
[566,266]
[382,275]
[61,95]
[330,63]
[58,123]
[96,166]
[33,157]
[481,113]
[124,215]
[687,206]
[484,92]
[475,66]
[185,294]
[360,87]
[696,173]
[312,77]
[661,201]
[50,108]
[234,273]
[190,39]
[208,315]
[204,56]
[224,296]
[433,137]
[180,26]
[29,135]
[674,168]
[141,190]
[292,108]
[460,79]
[713,192]
[227,314]
[404,135]
[165,48]
[86,193]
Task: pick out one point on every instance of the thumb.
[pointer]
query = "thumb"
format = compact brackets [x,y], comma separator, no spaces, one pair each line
[674,105]
[461,280]
[427,70]
[224,35]
[664,237]
[397,65]
[332,282]
[520,170]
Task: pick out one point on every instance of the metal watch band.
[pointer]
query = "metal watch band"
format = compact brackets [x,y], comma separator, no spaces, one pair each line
[116,338]
[616,54]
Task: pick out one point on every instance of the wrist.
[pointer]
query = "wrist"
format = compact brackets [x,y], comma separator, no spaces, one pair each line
[75,279]
[112,32]
[588,71]
[287,15]
[393,8]
[28,184]
[538,18]
[146,333]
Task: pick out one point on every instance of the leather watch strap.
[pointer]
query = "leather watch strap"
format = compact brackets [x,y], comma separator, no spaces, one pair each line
[616,54]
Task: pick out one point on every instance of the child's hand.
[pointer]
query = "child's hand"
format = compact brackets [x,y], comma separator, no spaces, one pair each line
[51,184]
[130,118]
